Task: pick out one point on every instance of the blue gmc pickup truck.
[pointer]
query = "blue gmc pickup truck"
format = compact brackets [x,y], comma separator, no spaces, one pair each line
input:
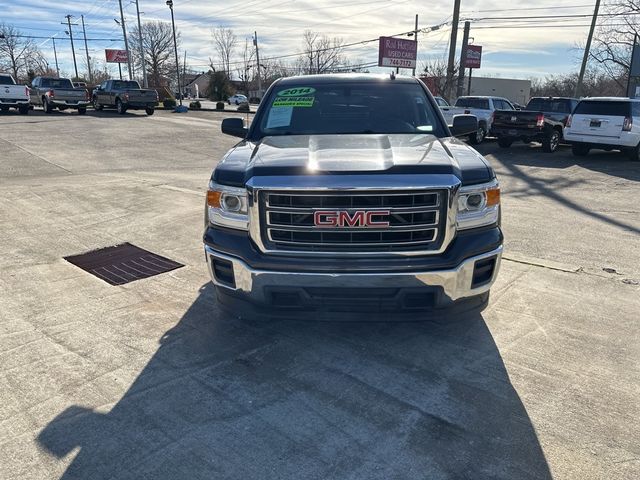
[350,194]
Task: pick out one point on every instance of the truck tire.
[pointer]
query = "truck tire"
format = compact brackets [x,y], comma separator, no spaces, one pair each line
[634,154]
[580,149]
[97,106]
[82,111]
[4,109]
[551,141]
[46,106]
[120,107]
[24,110]
[505,142]
[149,110]
[478,137]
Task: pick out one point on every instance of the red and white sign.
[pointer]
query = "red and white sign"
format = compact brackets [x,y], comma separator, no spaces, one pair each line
[116,56]
[474,56]
[359,218]
[397,52]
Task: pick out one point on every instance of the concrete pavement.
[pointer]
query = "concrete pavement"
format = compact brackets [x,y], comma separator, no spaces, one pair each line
[151,380]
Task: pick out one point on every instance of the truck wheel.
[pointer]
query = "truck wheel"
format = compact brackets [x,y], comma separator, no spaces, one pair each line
[634,154]
[580,150]
[505,142]
[120,107]
[96,106]
[47,107]
[550,142]
[478,137]
[149,111]
[82,111]
[24,110]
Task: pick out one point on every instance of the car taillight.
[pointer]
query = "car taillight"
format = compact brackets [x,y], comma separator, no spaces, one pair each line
[568,121]
[126,97]
[27,91]
[50,93]
[540,120]
[467,112]
[628,123]
[86,95]
[493,116]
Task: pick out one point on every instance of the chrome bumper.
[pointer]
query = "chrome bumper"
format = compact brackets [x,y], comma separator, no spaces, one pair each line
[455,283]
[66,103]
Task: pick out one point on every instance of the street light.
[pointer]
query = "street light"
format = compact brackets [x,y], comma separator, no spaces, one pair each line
[175,46]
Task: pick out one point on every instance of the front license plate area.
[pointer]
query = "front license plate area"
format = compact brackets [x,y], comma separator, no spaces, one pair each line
[513,133]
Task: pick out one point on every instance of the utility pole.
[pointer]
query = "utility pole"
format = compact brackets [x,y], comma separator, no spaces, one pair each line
[587,49]
[451,66]
[144,66]
[415,37]
[55,55]
[73,50]
[255,42]
[126,42]
[463,58]
[86,49]
[175,46]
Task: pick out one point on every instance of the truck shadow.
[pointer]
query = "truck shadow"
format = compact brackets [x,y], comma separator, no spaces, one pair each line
[225,397]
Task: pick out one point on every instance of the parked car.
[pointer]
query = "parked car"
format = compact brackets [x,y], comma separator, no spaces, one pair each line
[441,102]
[481,107]
[51,93]
[543,121]
[124,95]
[339,180]
[237,99]
[13,95]
[609,123]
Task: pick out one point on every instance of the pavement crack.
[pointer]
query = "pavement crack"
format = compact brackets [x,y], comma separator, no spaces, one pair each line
[36,155]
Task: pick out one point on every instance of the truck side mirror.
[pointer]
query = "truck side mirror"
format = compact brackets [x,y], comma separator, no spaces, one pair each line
[464,125]
[234,127]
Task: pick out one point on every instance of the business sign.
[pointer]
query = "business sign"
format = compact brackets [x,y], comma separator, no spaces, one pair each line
[474,56]
[116,56]
[397,52]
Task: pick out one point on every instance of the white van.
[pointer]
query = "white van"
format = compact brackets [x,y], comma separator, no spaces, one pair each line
[609,123]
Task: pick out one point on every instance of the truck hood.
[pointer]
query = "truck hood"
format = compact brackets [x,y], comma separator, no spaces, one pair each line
[351,154]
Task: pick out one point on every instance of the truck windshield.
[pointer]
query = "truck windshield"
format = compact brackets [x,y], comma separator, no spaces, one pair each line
[125,84]
[6,80]
[471,102]
[56,83]
[349,108]
[549,105]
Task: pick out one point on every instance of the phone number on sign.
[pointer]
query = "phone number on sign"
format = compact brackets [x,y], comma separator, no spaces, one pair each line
[398,62]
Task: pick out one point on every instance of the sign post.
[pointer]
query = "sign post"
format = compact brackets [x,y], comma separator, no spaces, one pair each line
[472,60]
[397,52]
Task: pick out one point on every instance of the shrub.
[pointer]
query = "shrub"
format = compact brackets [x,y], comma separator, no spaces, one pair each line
[244,107]
[220,106]
[169,103]
[195,105]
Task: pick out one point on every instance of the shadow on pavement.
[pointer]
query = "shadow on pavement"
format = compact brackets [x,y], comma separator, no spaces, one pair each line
[231,398]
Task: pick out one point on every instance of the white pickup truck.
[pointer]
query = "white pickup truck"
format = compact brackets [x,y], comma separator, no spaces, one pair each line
[482,107]
[12,95]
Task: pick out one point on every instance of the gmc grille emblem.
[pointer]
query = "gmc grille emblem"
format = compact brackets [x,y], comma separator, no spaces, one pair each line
[358,218]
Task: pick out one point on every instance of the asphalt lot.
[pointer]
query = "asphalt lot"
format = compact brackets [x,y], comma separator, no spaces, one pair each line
[151,381]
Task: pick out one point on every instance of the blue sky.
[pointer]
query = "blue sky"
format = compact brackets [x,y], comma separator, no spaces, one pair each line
[521,48]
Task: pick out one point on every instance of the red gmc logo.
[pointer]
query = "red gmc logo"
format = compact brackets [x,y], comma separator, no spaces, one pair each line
[359,218]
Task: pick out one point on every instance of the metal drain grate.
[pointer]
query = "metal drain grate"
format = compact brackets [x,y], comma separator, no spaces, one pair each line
[122,263]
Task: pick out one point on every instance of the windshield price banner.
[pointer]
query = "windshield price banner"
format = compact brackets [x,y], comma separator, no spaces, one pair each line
[397,52]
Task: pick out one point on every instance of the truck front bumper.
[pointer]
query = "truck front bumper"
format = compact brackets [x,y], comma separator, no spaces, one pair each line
[375,291]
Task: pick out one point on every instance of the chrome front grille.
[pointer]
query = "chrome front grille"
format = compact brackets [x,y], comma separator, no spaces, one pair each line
[416,221]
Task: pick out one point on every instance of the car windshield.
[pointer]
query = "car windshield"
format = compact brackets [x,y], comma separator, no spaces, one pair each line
[125,84]
[56,83]
[471,102]
[549,105]
[6,80]
[604,107]
[348,108]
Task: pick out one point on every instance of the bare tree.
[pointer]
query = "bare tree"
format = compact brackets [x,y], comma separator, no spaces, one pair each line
[435,70]
[225,43]
[158,55]
[19,54]
[322,54]
[247,68]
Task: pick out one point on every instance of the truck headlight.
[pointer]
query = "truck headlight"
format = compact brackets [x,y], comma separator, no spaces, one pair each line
[227,206]
[478,205]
